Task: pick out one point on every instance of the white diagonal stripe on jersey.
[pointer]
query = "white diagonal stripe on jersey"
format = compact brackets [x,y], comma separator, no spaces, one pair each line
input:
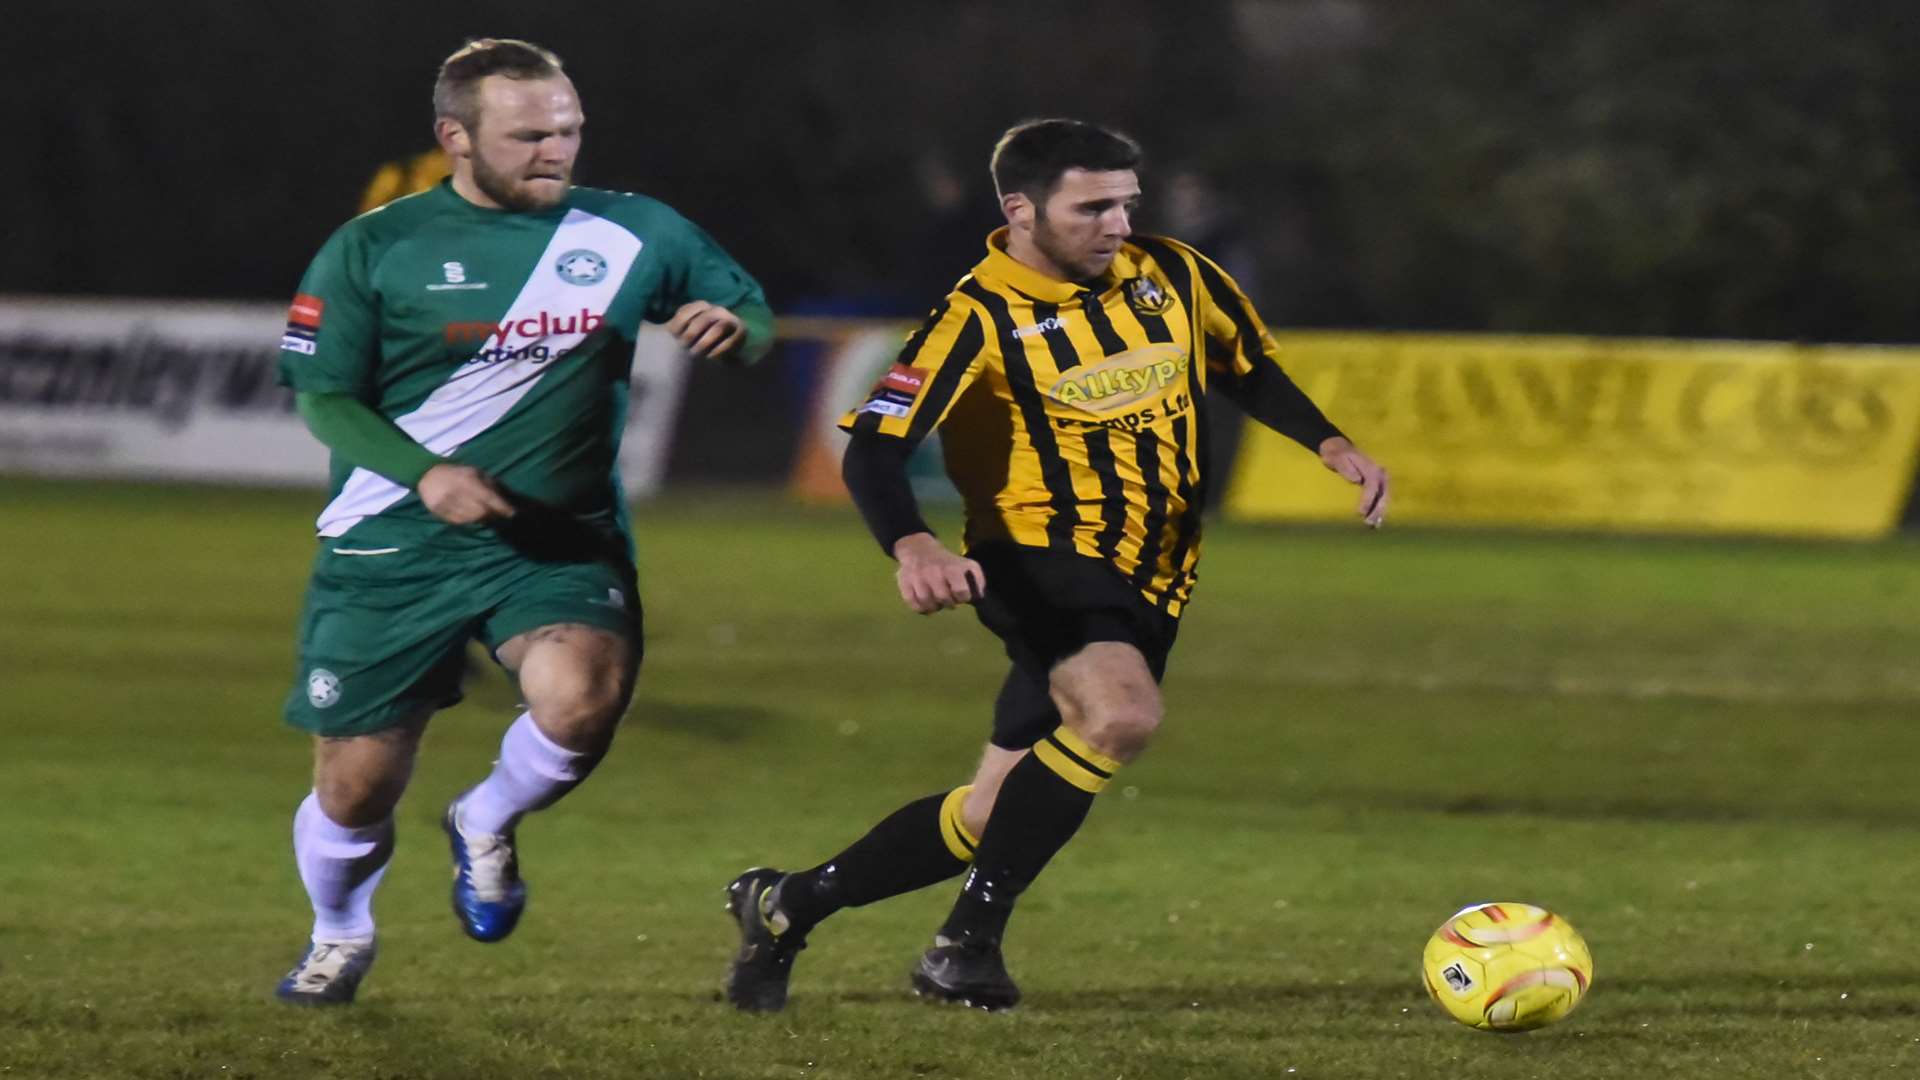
[476,396]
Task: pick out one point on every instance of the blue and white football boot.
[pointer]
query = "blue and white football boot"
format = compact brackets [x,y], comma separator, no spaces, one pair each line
[329,973]
[488,894]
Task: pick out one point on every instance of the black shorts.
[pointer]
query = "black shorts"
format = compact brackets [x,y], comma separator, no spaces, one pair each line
[1046,606]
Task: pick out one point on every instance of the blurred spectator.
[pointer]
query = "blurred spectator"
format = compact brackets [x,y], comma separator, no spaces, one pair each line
[404,177]
[950,227]
[1194,208]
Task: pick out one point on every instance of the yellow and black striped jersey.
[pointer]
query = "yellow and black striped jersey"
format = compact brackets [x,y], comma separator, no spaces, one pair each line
[1071,414]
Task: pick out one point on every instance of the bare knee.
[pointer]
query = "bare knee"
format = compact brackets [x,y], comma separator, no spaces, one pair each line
[357,801]
[359,779]
[1120,730]
[1108,696]
[580,709]
[357,790]
[576,680]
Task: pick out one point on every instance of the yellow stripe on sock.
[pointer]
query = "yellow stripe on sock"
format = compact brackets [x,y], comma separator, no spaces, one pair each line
[1073,772]
[1071,740]
[953,825]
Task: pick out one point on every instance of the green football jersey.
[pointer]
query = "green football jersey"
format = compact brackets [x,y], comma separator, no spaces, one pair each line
[497,339]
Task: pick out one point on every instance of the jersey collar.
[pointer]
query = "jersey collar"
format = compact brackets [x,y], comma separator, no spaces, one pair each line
[1002,267]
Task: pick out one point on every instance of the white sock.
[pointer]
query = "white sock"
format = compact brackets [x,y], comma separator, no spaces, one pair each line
[341,867]
[532,774]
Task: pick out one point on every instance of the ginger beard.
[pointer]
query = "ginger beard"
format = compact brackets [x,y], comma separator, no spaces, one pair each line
[526,188]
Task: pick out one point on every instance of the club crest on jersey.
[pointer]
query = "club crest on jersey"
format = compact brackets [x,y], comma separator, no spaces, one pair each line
[1147,297]
[581,267]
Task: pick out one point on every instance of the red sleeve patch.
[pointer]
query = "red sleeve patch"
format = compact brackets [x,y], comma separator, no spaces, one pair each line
[306,311]
[904,379]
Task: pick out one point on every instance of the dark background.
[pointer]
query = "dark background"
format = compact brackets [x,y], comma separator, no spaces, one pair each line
[1726,168]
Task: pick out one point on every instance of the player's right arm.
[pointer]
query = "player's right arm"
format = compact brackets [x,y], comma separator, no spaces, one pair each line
[939,360]
[328,355]
[456,494]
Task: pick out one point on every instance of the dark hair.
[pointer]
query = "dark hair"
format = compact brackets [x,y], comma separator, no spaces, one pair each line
[1033,154]
[456,92]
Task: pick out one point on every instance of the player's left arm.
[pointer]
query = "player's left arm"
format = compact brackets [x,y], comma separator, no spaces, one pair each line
[717,309]
[1244,361]
[743,333]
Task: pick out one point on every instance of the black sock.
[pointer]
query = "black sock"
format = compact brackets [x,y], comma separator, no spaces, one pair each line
[913,847]
[1041,805]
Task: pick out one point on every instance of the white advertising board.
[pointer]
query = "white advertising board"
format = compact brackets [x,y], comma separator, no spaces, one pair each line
[186,390]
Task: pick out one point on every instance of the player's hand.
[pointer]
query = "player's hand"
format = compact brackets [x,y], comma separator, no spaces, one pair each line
[934,579]
[705,329]
[1354,467]
[463,495]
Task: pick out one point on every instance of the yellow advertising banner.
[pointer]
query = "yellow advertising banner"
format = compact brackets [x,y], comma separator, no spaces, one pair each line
[1637,435]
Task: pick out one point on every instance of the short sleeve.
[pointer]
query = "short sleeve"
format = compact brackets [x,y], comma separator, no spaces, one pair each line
[940,359]
[332,343]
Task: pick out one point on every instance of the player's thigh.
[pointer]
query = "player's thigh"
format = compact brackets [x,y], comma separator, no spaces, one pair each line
[379,643]
[1087,651]
[1107,694]
[1023,710]
[570,633]
[586,613]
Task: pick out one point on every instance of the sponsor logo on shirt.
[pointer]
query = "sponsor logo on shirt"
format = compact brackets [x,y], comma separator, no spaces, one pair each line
[1122,380]
[303,324]
[521,339]
[584,321]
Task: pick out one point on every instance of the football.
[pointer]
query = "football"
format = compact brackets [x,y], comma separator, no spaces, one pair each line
[1507,967]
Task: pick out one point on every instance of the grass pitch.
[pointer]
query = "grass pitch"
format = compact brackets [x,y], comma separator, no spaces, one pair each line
[1702,754]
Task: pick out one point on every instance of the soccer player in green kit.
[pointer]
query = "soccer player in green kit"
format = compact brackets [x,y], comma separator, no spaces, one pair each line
[465,353]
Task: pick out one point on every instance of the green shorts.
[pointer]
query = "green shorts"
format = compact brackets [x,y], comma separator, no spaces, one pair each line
[384,631]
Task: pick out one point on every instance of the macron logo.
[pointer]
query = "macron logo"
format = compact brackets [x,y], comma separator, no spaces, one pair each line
[1058,322]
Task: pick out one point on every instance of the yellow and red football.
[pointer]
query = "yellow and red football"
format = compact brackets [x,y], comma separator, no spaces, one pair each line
[1507,967]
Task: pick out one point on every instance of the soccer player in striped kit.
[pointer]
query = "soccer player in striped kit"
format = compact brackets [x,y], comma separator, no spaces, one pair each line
[1067,374]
